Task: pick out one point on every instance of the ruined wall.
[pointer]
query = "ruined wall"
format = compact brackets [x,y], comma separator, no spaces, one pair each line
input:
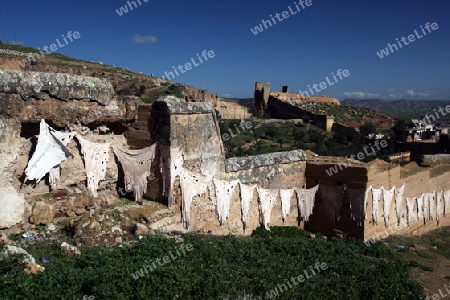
[418,149]
[284,110]
[286,96]
[352,174]
[233,110]
[67,103]
[417,180]
[194,95]
[261,96]
[137,133]
[194,127]
[266,173]
[275,176]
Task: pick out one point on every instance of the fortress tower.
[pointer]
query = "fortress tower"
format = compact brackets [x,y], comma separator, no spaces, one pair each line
[261,97]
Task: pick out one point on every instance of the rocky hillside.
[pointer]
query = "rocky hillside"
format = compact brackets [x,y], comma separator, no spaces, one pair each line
[124,81]
[351,116]
[407,108]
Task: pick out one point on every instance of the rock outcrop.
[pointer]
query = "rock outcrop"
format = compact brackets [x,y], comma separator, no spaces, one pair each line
[61,86]
[12,202]
[62,99]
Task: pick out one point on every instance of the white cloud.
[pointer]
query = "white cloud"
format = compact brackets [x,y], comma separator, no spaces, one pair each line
[226,95]
[416,94]
[139,39]
[360,95]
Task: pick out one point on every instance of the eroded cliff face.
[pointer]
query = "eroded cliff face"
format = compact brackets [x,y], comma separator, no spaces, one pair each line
[12,203]
[193,94]
[86,105]
[62,99]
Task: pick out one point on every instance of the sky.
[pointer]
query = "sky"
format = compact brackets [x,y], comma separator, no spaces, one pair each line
[303,47]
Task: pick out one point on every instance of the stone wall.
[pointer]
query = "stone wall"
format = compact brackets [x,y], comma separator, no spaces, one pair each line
[417,180]
[375,174]
[279,109]
[233,110]
[193,126]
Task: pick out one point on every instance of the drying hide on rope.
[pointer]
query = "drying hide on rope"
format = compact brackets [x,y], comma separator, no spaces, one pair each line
[50,152]
[136,166]
[267,199]
[420,205]
[446,202]
[55,172]
[192,184]
[285,196]
[376,195]
[438,206]
[388,195]
[95,156]
[399,202]
[247,192]
[171,163]
[358,200]
[410,209]
[426,207]
[224,192]
[432,199]
[306,199]
[332,198]
[366,196]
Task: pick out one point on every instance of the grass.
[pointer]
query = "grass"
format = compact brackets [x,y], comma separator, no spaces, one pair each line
[216,268]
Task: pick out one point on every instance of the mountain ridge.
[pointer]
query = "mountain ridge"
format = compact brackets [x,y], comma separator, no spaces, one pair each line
[402,107]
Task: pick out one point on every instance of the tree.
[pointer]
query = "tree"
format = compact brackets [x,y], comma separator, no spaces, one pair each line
[270,132]
[401,130]
[281,142]
[366,129]
[315,136]
[230,145]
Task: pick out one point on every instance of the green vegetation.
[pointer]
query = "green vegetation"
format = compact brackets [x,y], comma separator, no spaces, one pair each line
[18,48]
[346,114]
[423,257]
[267,137]
[366,129]
[217,267]
[151,95]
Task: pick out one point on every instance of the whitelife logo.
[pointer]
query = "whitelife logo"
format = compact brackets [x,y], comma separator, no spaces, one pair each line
[411,38]
[53,47]
[323,85]
[284,15]
[124,9]
[188,66]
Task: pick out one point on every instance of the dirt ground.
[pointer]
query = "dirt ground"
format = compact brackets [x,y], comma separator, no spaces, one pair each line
[430,257]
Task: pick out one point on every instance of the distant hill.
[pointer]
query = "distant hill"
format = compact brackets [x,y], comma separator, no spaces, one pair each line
[401,108]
